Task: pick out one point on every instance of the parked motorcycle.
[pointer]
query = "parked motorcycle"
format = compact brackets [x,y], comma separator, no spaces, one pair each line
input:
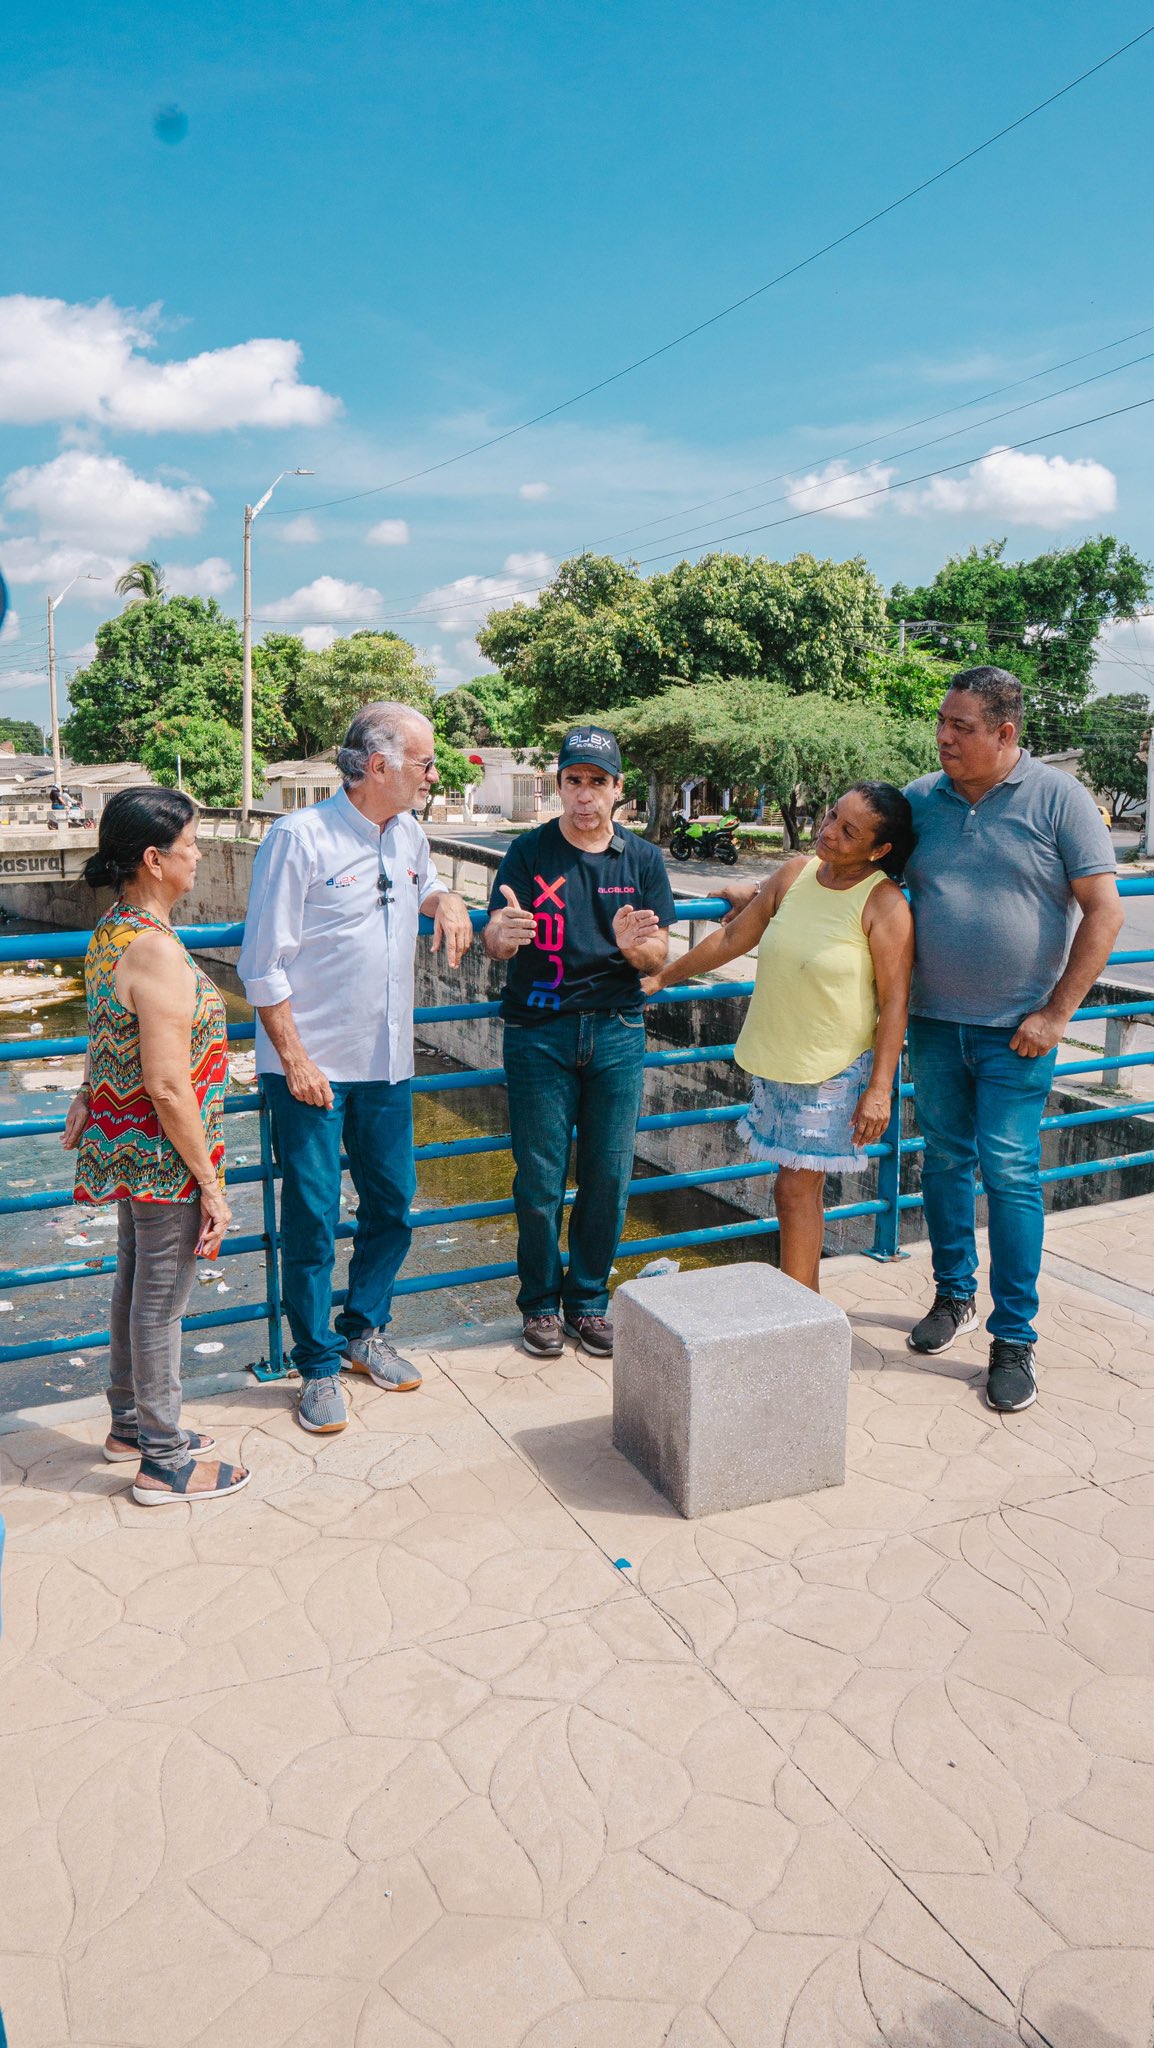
[705,842]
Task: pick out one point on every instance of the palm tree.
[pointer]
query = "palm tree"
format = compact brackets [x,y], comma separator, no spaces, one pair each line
[145,580]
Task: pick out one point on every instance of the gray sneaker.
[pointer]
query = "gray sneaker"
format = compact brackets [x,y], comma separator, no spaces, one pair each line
[374,1355]
[321,1407]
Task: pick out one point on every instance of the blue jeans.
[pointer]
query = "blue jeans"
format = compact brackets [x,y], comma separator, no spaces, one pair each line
[374,1121]
[584,1070]
[980,1105]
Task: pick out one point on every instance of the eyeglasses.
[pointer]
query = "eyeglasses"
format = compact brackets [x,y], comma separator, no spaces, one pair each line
[424,765]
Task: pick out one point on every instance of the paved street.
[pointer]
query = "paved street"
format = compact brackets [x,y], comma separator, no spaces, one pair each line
[451,1734]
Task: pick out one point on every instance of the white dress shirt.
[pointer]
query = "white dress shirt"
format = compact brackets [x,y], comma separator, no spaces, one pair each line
[317,932]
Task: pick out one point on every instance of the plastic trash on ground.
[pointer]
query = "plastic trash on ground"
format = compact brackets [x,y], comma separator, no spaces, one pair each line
[657,1269]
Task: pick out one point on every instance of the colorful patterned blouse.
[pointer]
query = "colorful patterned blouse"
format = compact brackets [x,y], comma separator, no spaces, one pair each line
[124,1154]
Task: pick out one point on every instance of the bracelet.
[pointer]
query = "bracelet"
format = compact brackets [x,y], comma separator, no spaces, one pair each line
[84,1088]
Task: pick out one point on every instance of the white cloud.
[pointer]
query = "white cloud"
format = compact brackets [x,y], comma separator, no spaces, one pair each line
[389,533]
[533,491]
[69,362]
[840,491]
[1029,490]
[23,679]
[210,578]
[299,532]
[466,602]
[80,496]
[34,561]
[322,607]
[11,625]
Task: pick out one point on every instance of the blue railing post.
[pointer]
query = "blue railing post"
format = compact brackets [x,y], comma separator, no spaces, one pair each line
[273,1367]
[887,1242]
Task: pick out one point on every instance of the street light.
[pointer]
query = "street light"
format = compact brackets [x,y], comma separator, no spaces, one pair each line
[81,576]
[252,512]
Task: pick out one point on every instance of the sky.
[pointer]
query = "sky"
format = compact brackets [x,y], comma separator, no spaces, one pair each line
[360,240]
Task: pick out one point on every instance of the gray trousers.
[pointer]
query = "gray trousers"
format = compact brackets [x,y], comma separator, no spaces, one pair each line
[155,1268]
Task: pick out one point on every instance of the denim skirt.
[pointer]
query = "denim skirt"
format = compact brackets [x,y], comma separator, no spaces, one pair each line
[810,1124]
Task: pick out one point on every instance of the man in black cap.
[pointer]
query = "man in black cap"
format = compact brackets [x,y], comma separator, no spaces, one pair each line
[581,911]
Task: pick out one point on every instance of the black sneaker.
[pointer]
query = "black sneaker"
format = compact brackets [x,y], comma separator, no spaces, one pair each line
[950,1316]
[593,1333]
[541,1335]
[1011,1384]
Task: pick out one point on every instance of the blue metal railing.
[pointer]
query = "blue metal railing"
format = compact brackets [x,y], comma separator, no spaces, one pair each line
[886,1206]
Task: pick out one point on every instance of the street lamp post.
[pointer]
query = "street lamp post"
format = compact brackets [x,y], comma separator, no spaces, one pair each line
[82,576]
[251,512]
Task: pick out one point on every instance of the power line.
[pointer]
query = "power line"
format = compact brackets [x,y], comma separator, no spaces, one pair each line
[812,512]
[735,306]
[908,427]
[856,447]
[971,426]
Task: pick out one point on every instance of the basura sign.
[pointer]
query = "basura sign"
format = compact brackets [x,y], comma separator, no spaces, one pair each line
[31,864]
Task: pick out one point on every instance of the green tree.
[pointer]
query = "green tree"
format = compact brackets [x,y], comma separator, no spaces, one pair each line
[331,687]
[910,682]
[174,656]
[142,657]
[202,753]
[143,582]
[491,711]
[455,771]
[801,751]
[603,636]
[1040,619]
[25,736]
[1111,765]
[279,662]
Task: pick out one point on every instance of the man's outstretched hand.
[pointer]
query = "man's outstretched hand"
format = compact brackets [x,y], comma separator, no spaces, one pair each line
[634,929]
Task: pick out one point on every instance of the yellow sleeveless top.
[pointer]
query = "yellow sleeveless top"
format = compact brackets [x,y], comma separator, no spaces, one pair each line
[814,1008]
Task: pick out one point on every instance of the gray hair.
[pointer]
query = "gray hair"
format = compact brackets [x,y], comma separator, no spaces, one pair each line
[998,692]
[376,729]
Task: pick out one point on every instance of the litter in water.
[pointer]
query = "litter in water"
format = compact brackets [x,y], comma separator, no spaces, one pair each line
[205,1349]
[5,1308]
[22,1183]
[222,1287]
[78,1363]
[82,1239]
[441,1242]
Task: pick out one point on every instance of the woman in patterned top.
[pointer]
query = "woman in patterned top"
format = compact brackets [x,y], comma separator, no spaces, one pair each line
[147,1121]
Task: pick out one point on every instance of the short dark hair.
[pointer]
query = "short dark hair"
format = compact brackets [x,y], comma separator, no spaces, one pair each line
[895,822]
[131,822]
[1000,693]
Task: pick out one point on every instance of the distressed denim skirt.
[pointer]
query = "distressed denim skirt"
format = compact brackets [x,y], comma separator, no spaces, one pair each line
[810,1124]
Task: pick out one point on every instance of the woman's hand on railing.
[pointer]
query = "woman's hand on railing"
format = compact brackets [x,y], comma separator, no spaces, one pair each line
[872,1115]
[215,1217]
[76,1121]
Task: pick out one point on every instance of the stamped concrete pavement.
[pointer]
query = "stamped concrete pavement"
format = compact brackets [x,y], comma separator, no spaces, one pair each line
[450,1733]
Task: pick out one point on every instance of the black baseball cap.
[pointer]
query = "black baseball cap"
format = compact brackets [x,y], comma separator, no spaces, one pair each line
[591,747]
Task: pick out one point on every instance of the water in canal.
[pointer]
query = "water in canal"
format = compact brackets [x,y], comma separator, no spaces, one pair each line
[47,1000]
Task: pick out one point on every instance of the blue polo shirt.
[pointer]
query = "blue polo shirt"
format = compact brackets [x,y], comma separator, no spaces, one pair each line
[989,887]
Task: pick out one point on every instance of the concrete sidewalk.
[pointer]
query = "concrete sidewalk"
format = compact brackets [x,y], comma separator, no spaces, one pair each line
[450,1731]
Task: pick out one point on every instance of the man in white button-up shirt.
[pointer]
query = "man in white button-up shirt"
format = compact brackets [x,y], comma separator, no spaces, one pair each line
[327,963]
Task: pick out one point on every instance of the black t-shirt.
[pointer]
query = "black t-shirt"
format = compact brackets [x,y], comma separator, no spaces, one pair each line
[574,963]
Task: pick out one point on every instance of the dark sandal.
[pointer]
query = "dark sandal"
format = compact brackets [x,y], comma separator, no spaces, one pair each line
[120,1451]
[174,1485]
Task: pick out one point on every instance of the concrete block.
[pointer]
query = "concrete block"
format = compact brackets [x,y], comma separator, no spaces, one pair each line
[730,1386]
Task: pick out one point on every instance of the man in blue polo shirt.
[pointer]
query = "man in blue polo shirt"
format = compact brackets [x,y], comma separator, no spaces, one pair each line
[580,910]
[1008,852]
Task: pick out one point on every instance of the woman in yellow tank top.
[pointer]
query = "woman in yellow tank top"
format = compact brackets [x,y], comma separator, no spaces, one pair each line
[823,1033]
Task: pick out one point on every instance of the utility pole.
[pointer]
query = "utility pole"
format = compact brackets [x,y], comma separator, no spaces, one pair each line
[83,576]
[57,770]
[251,512]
